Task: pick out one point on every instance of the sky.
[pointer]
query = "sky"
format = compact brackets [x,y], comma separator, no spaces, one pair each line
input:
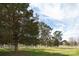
[59,16]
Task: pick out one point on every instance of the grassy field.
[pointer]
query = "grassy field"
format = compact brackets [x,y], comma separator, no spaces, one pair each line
[41,51]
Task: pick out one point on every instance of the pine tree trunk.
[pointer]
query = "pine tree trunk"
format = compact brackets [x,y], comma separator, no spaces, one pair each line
[15,41]
[16,47]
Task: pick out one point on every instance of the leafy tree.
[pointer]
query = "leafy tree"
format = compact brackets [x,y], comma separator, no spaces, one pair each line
[44,33]
[57,37]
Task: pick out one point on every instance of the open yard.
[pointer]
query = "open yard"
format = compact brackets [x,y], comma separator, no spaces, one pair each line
[41,51]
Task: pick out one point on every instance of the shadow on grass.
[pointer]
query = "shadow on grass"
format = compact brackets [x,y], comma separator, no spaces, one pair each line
[29,53]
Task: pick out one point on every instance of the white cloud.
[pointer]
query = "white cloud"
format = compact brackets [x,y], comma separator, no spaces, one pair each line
[51,10]
[58,11]
[70,10]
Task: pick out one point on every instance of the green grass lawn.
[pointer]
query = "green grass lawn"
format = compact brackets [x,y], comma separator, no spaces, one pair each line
[41,51]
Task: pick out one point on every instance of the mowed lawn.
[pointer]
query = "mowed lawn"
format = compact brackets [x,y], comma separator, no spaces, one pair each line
[41,51]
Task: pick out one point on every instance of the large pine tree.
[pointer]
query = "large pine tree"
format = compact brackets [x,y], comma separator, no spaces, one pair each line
[17,24]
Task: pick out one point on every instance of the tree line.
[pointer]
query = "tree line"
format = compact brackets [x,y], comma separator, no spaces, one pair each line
[19,26]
